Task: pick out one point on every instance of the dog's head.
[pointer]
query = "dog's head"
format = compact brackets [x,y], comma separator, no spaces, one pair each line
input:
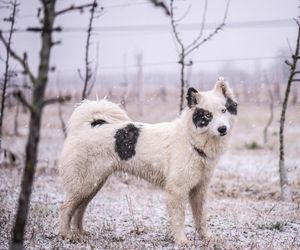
[214,111]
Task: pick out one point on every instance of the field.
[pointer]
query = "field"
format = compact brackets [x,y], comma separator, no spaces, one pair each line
[244,211]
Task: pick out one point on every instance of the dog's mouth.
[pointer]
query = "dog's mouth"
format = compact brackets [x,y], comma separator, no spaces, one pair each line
[223,134]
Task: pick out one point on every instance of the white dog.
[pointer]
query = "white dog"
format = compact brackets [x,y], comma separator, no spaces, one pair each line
[178,156]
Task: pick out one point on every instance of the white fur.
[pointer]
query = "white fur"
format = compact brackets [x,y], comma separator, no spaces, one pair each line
[165,156]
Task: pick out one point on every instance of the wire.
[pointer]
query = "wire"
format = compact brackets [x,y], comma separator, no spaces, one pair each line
[190,27]
[194,62]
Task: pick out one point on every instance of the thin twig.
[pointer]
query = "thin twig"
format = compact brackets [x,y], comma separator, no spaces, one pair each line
[60,113]
[161,4]
[271,102]
[88,73]
[174,28]
[6,74]
[220,27]
[95,71]
[23,61]
[58,99]
[19,95]
[73,8]
[201,28]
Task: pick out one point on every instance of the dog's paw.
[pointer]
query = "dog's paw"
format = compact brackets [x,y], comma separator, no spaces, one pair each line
[66,235]
[83,233]
[204,235]
[183,242]
[72,236]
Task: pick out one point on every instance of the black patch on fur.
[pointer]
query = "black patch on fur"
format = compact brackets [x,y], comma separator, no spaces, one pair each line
[202,117]
[97,122]
[231,106]
[200,152]
[126,139]
[190,97]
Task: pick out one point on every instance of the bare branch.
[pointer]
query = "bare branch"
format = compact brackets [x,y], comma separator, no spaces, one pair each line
[79,74]
[296,80]
[289,45]
[271,108]
[95,71]
[219,28]
[195,44]
[88,73]
[58,99]
[23,61]
[74,7]
[287,62]
[184,15]
[174,29]
[201,28]
[19,95]
[160,3]
[40,29]
[7,74]
[14,86]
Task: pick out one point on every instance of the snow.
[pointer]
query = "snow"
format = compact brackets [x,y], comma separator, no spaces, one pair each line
[244,211]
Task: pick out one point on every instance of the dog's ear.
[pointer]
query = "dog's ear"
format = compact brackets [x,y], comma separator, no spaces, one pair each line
[192,97]
[223,88]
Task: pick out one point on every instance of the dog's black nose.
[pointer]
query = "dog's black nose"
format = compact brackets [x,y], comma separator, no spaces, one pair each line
[222,130]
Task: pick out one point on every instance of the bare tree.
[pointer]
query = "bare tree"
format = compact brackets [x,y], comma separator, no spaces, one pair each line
[60,113]
[36,106]
[186,50]
[13,5]
[285,188]
[140,83]
[271,109]
[87,78]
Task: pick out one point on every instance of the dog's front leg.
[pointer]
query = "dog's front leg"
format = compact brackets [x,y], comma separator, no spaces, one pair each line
[198,197]
[176,204]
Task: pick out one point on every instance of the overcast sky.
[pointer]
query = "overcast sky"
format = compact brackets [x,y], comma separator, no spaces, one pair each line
[243,38]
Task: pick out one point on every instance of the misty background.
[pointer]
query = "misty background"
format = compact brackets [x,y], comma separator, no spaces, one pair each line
[252,46]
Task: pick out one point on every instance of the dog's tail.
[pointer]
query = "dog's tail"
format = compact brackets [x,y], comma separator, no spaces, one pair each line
[92,113]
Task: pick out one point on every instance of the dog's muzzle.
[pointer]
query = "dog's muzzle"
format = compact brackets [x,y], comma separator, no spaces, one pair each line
[222,130]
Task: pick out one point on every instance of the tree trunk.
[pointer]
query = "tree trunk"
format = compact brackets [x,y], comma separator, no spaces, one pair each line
[286,194]
[271,108]
[182,83]
[6,76]
[34,128]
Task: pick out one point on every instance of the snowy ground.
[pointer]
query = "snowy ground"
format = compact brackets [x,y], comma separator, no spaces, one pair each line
[244,211]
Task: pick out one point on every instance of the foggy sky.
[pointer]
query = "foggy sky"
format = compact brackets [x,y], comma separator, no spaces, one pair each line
[157,46]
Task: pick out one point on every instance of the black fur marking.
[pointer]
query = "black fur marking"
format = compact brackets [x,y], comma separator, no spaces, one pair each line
[97,122]
[190,97]
[126,139]
[202,117]
[231,106]
[200,152]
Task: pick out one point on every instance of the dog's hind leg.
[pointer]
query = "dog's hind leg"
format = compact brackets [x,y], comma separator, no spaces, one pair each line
[77,220]
[67,209]
[198,197]
[176,204]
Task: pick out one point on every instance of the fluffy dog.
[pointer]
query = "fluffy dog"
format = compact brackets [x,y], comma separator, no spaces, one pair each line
[178,156]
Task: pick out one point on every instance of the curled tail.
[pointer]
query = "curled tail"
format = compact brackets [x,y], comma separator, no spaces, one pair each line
[92,113]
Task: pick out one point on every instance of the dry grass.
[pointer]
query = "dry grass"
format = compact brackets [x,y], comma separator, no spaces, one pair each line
[243,210]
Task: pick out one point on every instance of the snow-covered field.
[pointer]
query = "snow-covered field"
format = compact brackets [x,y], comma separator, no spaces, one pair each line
[244,211]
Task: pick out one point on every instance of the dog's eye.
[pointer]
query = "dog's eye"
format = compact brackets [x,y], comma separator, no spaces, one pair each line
[223,110]
[207,114]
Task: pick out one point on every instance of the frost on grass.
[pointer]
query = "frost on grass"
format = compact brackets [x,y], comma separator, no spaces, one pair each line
[243,208]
